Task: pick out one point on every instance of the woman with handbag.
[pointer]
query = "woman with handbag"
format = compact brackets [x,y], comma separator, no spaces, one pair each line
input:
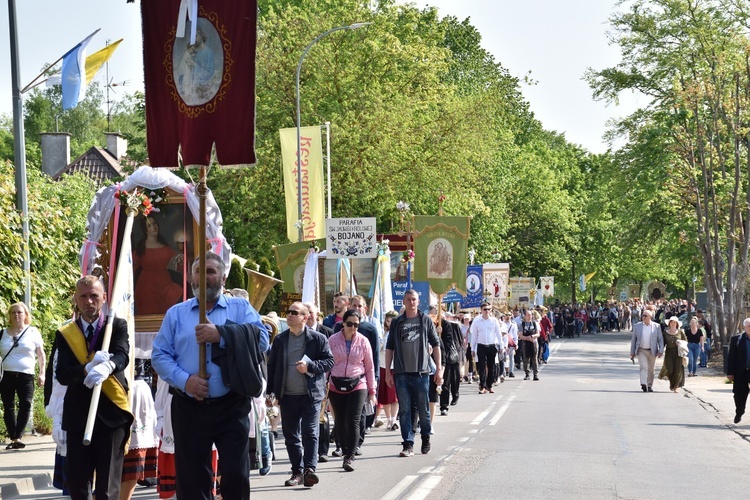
[352,382]
[673,368]
[19,345]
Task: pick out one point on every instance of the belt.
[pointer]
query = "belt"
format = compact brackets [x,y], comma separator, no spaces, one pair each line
[205,402]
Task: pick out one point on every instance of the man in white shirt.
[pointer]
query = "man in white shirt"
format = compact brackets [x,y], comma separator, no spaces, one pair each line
[648,344]
[486,337]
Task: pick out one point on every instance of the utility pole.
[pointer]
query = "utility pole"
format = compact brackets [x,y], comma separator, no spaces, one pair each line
[19,149]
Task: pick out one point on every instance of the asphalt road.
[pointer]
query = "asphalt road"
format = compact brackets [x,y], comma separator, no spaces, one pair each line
[585,430]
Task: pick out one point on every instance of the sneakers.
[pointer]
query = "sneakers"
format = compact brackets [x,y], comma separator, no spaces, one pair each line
[266,465]
[379,423]
[425,445]
[337,452]
[394,427]
[443,413]
[295,480]
[358,451]
[349,464]
[502,378]
[408,451]
[323,458]
[310,479]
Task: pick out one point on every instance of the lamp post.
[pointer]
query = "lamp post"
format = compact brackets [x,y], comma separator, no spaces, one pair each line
[299,140]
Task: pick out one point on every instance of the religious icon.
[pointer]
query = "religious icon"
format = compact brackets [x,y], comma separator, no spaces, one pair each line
[440,264]
[198,68]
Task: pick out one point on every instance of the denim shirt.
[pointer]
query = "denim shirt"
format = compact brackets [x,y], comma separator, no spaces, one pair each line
[175,352]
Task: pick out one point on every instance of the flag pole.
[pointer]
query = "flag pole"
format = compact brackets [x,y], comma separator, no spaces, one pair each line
[202,191]
[130,212]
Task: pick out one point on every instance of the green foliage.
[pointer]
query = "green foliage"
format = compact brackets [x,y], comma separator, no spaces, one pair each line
[236,278]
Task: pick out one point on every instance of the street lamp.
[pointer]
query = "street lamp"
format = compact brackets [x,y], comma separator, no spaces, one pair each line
[299,139]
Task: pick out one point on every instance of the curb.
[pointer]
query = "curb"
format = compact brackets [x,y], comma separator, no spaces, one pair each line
[26,486]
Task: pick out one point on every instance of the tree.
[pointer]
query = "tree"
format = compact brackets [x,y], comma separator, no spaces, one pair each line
[690,58]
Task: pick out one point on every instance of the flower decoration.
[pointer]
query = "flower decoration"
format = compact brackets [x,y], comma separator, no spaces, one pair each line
[140,200]
[407,256]
[315,247]
[402,206]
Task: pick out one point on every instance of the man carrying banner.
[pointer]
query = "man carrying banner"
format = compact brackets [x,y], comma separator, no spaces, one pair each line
[407,349]
[211,411]
[81,365]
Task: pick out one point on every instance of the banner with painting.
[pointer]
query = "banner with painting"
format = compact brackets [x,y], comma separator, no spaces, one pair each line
[440,252]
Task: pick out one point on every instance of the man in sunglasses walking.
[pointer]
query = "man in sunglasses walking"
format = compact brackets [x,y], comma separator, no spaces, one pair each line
[299,360]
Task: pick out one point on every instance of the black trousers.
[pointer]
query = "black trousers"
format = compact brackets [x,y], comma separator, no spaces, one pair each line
[470,360]
[347,409]
[451,381]
[104,455]
[20,385]
[740,389]
[197,426]
[486,365]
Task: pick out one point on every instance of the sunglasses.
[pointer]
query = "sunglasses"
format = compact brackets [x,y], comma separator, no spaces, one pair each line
[486,309]
[352,325]
[293,312]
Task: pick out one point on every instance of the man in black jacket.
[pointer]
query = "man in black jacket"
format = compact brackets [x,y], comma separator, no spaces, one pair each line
[738,369]
[299,360]
[453,342]
[81,365]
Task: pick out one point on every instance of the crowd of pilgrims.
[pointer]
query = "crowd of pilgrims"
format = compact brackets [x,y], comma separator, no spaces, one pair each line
[523,344]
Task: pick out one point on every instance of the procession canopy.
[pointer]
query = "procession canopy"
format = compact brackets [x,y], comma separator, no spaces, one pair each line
[199,70]
[161,270]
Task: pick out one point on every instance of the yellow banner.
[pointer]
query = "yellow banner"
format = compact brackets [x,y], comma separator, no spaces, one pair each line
[313,216]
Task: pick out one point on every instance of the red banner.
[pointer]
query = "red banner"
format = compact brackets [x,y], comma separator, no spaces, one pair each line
[202,93]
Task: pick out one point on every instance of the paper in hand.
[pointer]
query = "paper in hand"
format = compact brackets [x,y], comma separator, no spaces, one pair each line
[307,361]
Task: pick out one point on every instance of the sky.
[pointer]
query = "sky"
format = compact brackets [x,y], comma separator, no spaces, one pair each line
[553,42]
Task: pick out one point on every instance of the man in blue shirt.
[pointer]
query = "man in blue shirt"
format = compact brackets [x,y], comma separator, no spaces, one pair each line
[206,411]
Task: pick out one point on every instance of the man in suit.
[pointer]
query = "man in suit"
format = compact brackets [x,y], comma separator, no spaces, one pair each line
[81,365]
[313,320]
[738,369]
[647,343]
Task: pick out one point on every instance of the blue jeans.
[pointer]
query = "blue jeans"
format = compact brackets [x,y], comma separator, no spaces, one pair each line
[705,354]
[299,423]
[413,387]
[694,350]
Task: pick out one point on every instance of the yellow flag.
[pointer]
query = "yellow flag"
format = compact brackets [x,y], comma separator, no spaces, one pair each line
[313,216]
[95,61]
[588,277]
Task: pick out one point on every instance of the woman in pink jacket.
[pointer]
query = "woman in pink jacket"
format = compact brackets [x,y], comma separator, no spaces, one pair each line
[352,383]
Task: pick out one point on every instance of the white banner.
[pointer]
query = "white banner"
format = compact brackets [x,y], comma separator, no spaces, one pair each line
[547,285]
[351,238]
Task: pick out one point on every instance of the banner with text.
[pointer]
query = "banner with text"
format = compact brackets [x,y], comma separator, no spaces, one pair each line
[290,260]
[440,249]
[313,215]
[422,288]
[351,238]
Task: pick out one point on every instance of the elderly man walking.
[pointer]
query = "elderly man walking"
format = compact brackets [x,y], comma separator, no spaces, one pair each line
[647,343]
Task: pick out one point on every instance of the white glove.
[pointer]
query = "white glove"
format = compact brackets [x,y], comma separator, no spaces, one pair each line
[99,374]
[58,435]
[99,357]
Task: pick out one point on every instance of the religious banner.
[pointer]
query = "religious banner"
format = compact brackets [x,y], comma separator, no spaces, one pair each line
[440,248]
[290,259]
[199,70]
[474,287]
[634,291]
[547,284]
[496,289]
[351,238]
[313,214]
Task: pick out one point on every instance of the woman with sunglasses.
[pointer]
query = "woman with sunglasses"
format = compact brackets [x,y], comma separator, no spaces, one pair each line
[352,382]
[20,346]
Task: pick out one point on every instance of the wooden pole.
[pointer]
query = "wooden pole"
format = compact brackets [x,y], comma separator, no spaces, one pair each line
[130,212]
[202,191]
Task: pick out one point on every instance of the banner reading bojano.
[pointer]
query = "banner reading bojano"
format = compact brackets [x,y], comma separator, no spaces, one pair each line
[313,217]
[440,248]
[290,260]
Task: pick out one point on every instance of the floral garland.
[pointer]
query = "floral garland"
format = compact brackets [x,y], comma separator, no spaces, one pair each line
[146,203]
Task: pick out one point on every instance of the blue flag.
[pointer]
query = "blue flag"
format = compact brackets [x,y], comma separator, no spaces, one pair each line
[74,74]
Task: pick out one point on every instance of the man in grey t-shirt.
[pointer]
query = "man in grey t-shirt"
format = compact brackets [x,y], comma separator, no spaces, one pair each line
[408,349]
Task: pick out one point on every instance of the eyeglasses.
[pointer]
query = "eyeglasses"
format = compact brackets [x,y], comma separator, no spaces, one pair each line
[293,312]
[352,325]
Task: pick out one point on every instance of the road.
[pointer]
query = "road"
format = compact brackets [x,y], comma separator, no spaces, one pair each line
[585,430]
